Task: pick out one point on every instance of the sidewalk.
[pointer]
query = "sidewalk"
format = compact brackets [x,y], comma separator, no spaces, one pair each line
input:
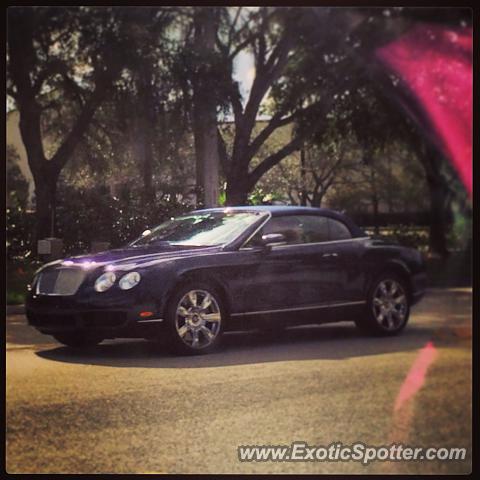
[15,309]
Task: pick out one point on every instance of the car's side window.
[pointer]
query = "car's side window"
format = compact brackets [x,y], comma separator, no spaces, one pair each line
[297,229]
[289,226]
[338,230]
[315,228]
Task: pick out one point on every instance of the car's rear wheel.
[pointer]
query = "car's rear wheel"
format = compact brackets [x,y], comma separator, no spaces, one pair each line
[388,306]
[78,340]
[195,319]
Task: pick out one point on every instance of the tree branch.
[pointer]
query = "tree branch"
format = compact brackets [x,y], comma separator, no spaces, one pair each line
[264,79]
[53,67]
[273,159]
[277,121]
[222,151]
[61,156]
[232,28]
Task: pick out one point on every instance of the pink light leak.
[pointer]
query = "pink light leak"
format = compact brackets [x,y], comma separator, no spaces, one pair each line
[416,376]
[435,63]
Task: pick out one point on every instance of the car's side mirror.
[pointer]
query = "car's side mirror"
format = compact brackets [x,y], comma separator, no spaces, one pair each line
[271,239]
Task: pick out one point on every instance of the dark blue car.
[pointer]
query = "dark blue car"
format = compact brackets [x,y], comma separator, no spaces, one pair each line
[195,276]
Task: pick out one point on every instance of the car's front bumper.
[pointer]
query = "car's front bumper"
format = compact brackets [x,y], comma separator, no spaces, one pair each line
[57,314]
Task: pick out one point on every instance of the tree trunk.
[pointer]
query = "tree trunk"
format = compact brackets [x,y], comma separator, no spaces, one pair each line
[237,192]
[376,226]
[24,66]
[45,199]
[438,227]
[375,201]
[438,192]
[144,136]
[205,110]
[317,198]
[303,175]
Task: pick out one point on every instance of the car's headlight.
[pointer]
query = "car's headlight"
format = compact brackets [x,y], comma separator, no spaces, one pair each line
[105,281]
[129,280]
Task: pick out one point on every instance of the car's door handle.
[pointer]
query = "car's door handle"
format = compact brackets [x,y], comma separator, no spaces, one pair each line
[326,255]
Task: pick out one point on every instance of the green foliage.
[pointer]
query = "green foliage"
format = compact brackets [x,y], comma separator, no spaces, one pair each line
[407,235]
[20,223]
[19,275]
[460,234]
[262,197]
[103,217]
[316,79]
[17,185]
[87,215]
[222,195]
[20,231]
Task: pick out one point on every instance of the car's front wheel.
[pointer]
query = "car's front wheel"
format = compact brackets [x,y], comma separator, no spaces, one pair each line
[77,340]
[195,319]
[388,306]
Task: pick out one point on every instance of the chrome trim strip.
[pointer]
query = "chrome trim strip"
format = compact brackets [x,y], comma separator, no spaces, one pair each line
[152,320]
[311,307]
[319,243]
[419,292]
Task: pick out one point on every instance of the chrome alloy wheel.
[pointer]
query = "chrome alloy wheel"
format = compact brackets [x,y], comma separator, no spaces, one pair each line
[390,304]
[198,319]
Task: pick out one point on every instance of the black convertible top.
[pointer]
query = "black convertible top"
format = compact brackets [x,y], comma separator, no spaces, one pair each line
[277,210]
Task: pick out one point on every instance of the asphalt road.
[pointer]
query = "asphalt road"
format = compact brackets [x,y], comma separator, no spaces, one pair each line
[126,407]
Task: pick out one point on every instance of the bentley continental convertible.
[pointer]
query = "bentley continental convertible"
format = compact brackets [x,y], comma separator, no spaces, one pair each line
[190,279]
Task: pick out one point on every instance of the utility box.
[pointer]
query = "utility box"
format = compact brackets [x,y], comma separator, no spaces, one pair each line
[51,248]
[96,247]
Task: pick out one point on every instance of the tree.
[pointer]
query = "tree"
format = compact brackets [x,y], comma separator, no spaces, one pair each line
[319,167]
[206,22]
[297,75]
[55,53]
[17,185]
[373,31]
[145,84]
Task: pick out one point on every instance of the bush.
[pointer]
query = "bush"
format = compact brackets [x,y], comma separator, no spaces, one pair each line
[90,215]
[84,216]
[20,222]
[407,235]
[19,275]
[20,229]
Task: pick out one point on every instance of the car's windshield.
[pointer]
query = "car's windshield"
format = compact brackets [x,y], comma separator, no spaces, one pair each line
[199,229]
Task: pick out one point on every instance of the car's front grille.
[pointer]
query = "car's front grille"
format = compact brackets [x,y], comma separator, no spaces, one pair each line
[64,281]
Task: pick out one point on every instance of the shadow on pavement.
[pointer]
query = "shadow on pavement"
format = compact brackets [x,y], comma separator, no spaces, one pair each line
[333,342]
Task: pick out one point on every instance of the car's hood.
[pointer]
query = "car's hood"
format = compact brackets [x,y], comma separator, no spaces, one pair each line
[130,257]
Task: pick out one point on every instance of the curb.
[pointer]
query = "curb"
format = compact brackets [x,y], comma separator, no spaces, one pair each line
[15,309]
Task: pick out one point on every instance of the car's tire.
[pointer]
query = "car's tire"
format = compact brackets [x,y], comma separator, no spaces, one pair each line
[195,319]
[78,340]
[388,306]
